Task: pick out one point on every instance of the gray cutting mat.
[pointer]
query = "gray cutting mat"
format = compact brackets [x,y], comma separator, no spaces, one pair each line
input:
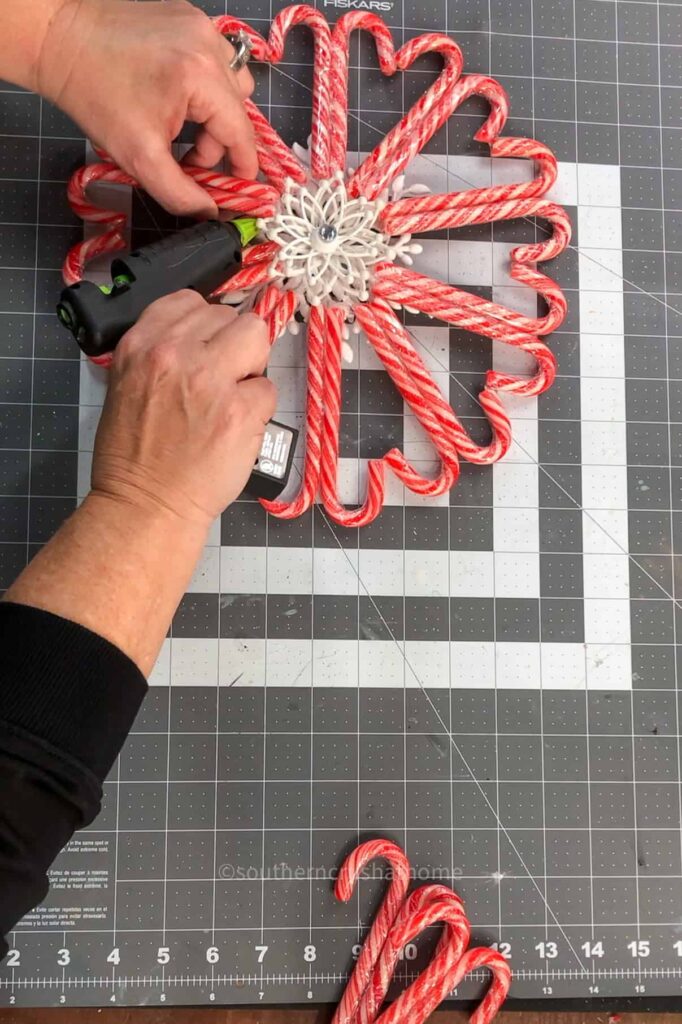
[490,679]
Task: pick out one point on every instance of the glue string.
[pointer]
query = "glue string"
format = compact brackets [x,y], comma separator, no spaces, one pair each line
[400,919]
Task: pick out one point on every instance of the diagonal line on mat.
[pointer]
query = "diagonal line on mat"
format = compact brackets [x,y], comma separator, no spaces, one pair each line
[454,743]
[546,472]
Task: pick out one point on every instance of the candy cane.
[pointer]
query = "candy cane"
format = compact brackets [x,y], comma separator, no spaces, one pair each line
[414,291]
[451,433]
[386,915]
[393,459]
[399,920]
[313,424]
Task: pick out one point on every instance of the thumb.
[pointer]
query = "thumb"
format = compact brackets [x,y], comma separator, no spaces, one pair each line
[159,174]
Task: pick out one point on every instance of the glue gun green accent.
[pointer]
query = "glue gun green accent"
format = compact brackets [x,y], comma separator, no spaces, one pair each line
[201,257]
[247,228]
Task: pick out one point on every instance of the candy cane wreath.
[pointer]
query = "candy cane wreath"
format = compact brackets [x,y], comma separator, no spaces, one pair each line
[335,247]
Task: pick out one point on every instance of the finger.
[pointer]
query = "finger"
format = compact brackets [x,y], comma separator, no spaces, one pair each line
[159,319]
[228,123]
[206,151]
[241,151]
[162,177]
[243,78]
[183,318]
[259,401]
[157,323]
[241,349]
[245,83]
[261,395]
[203,323]
[191,322]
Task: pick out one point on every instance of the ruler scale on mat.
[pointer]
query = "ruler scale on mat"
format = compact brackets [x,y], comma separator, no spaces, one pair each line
[491,678]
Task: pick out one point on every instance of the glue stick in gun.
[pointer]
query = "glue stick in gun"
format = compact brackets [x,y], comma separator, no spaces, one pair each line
[201,257]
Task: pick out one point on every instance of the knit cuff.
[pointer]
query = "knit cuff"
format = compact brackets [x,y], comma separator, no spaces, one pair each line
[70,687]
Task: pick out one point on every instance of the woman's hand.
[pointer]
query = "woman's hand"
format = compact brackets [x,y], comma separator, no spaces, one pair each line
[184,416]
[130,74]
[181,429]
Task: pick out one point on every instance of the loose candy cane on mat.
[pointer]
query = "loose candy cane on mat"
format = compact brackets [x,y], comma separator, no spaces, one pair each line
[399,920]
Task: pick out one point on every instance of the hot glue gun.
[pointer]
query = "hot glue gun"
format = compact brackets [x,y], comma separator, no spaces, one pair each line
[200,257]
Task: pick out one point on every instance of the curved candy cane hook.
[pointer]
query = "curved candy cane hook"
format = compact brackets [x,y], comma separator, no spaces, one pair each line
[394,459]
[272,52]
[401,919]
[393,901]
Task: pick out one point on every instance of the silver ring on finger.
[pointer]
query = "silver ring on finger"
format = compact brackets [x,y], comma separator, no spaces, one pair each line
[243,48]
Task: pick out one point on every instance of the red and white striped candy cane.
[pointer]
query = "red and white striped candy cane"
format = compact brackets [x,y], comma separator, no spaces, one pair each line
[278,308]
[317,356]
[419,125]
[456,437]
[254,198]
[433,212]
[351,870]
[344,27]
[235,194]
[433,985]
[446,212]
[422,908]
[405,287]
[254,272]
[109,241]
[275,159]
[393,459]
[399,920]
[272,52]
[445,972]
[390,342]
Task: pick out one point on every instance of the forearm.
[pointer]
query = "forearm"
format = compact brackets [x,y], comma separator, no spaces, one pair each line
[68,699]
[25,24]
[117,569]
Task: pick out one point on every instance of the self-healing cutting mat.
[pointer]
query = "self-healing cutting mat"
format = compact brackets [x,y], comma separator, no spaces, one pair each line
[491,678]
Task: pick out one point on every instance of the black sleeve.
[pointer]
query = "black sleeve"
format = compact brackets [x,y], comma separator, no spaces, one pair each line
[68,699]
